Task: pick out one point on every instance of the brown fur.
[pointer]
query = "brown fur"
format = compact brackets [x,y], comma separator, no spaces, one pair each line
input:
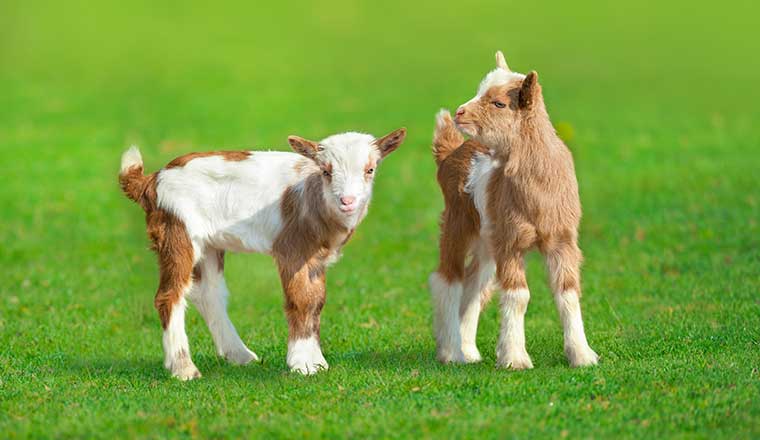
[309,237]
[169,240]
[232,156]
[532,200]
[460,221]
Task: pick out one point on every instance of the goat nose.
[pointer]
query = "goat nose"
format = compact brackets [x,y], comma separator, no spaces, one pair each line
[347,200]
[460,111]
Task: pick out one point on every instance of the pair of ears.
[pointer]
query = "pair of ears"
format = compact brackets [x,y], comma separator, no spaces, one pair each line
[385,145]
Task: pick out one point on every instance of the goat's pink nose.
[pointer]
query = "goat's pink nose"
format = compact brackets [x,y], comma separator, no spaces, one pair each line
[347,200]
[460,111]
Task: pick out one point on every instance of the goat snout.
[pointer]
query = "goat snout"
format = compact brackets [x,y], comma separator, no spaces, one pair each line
[347,203]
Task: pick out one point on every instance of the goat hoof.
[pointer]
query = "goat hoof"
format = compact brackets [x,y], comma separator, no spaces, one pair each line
[581,356]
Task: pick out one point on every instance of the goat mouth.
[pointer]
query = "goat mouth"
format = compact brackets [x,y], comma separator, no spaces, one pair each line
[467,127]
[348,209]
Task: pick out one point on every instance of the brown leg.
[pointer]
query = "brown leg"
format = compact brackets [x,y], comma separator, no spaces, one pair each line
[457,232]
[175,257]
[563,261]
[305,294]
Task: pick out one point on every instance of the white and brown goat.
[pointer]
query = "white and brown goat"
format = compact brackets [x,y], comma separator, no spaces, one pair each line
[508,189]
[300,208]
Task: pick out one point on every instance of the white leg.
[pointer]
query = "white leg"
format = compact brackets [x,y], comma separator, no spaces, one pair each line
[446,301]
[510,351]
[476,290]
[176,348]
[305,356]
[210,297]
[577,350]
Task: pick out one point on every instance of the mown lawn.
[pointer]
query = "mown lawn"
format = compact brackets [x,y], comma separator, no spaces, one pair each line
[658,103]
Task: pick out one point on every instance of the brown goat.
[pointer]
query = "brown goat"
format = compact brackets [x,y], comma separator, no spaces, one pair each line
[508,189]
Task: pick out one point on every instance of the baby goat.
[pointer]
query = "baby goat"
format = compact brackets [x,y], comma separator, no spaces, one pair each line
[300,208]
[510,188]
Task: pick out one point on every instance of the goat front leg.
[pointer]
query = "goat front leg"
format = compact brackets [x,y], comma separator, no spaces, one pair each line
[305,294]
[510,350]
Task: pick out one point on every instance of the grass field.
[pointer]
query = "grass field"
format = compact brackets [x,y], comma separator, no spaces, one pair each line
[657,102]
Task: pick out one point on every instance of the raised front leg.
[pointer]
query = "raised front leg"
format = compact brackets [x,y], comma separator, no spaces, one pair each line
[563,263]
[510,350]
[304,289]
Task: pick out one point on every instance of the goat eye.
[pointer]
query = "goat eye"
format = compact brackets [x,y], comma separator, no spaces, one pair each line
[370,171]
[499,104]
[326,173]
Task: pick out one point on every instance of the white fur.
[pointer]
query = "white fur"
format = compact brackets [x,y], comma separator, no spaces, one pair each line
[349,154]
[210,298]
[477,186]
[130,158]
[476,285]
[446,302]
[230,205]
[578,352]
[510,350]
[305,356]
[176,348]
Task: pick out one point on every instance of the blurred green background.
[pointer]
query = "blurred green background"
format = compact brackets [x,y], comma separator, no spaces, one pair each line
[657,101]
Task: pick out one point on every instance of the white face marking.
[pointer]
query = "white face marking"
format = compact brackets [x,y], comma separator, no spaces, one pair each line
[348,155]
[496,77]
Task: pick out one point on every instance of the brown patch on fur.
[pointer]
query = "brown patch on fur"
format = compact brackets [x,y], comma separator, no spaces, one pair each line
[388,143]
[220,260]
[304,147]
[175,260]
[460,221]
[372,165]
[169,240]
[232,156]
[310,235]
[218,255]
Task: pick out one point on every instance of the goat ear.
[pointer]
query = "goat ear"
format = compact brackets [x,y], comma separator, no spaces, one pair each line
[501,63]
[528,90]
[388,143]
[304,147]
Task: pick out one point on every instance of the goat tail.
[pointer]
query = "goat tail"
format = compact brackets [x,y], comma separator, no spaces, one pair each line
[446,137]
[131,177]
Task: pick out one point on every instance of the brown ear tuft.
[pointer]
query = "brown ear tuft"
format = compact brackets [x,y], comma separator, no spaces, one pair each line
[528,90]
[388,143]
[304,147]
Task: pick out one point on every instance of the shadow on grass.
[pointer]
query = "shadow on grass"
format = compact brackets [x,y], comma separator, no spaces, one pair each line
[153,369]
[397,360]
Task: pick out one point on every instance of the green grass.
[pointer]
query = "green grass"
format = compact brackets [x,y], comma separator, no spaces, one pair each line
[657,102]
